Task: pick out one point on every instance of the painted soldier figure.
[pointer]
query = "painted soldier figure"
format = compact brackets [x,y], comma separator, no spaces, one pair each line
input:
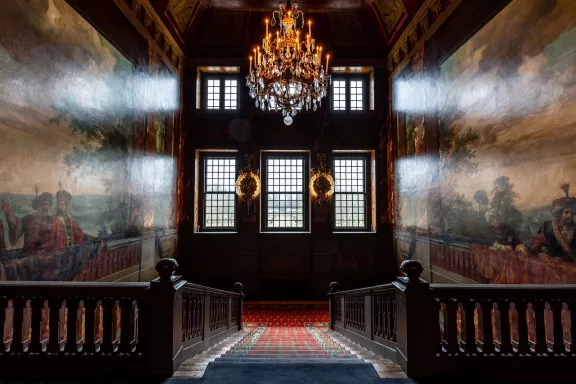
[556,237]
[65,229]
[35,227]
[2,241]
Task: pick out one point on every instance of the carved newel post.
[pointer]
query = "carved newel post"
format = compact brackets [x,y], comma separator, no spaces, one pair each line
[415,319]
[166,269]
[331,303]
[164,311]
[239,288]
[413,269]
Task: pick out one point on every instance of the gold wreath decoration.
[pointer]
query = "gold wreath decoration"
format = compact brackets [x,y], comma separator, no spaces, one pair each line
[321,185]
[321,182]
[248,185]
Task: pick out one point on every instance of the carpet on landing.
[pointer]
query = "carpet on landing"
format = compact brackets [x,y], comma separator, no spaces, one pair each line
[288,373]
[288,355]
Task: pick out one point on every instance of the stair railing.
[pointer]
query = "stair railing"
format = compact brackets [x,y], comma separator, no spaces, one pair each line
[512,331]
[62,329]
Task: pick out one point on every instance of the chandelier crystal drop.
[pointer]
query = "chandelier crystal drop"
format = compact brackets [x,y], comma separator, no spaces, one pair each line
[286,72]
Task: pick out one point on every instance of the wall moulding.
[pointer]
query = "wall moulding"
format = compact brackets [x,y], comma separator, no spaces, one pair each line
[431,15]
[143,16]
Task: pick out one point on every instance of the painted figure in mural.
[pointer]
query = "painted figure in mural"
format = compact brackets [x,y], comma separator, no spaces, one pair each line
[502,237]
[2,241]
[556,237]
[35,227]
[65,229]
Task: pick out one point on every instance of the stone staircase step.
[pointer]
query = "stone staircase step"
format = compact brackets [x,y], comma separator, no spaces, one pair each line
[291,361]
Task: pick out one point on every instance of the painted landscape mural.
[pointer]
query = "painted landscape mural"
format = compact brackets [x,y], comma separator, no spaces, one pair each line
[506,190]
[73,190]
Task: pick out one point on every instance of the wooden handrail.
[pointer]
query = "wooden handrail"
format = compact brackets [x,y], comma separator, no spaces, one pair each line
[82,329]
[512,331]
[375,288]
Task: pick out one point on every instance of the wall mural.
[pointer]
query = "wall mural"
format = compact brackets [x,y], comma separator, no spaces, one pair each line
[507,125]
[71,183]
[392,13]
[181,11]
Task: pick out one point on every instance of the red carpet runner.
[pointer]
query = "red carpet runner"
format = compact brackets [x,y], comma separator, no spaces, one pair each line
[288,314]
[288,343]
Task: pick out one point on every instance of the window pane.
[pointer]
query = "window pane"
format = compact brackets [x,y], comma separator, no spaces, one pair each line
[339,95]
[350,192]
[230,94]
[213,95]
[356,95]
[285,193]
[219,192]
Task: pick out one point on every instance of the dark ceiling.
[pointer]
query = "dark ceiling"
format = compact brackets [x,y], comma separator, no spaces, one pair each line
[211,29]
[309,5]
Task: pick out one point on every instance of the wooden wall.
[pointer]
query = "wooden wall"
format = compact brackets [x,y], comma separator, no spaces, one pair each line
[280,266]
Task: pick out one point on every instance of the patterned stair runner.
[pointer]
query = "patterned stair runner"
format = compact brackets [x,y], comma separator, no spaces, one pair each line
[288,345]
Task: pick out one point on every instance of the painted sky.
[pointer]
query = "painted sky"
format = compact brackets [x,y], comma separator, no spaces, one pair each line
[514,83]
[48,52]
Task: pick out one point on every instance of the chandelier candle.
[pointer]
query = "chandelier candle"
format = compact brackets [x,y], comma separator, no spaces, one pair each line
[284,77]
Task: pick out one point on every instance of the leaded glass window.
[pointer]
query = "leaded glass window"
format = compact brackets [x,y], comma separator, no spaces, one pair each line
[350,192]
[285,205]
[219,203]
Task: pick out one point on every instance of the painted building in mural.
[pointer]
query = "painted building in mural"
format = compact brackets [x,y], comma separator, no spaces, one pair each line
[73,189]
[498,204]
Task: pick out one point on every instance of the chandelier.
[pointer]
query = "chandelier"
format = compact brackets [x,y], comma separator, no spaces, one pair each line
[286,72]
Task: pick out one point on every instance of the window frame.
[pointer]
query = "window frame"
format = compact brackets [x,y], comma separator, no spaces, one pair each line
[222,77]
[202,195]
[305,156]
[365,79]
[368,191]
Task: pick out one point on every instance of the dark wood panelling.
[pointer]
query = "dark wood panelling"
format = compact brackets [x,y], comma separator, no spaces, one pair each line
[280,266]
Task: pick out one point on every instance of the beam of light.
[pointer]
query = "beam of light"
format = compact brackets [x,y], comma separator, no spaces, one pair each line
[153,175]
[90,93]
[486,94]
[417,172]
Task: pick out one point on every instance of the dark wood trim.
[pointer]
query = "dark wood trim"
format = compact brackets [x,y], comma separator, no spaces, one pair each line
[425,347]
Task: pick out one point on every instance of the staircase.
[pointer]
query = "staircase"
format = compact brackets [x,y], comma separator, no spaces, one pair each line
[289,355]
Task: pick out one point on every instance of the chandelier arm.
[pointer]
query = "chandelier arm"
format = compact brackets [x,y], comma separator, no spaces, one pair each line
[273,22]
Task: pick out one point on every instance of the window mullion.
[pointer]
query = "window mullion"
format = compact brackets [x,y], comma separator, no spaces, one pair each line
[348,96]
[222,93]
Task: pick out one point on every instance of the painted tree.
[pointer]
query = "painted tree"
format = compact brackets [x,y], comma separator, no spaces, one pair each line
[503,197]
[481,197]
[104,151]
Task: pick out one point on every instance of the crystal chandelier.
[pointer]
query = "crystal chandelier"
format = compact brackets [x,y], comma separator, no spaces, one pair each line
[286,72]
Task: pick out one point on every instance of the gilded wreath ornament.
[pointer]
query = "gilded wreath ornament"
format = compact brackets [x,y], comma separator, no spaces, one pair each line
[248,185]
[321,182]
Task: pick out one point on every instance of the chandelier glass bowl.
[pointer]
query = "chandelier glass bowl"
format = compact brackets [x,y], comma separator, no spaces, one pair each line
[286,72]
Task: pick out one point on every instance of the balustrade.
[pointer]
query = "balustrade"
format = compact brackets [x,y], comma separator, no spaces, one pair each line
[384,313]
[48,319]
[505,320]
[192,315]
[366,315]
[511,331]
[120,329]
[218,312]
